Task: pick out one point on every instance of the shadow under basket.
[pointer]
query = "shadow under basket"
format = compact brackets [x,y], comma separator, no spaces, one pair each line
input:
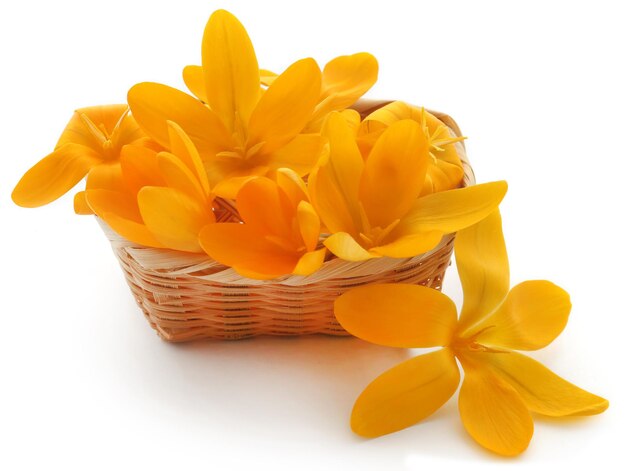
[188,296]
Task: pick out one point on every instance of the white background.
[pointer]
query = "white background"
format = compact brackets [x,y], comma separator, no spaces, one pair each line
[537,86]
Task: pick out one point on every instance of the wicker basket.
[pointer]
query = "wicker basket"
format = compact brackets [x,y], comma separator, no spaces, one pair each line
[190,296]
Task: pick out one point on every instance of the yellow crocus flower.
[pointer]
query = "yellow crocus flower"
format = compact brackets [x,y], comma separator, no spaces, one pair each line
[156,199]
[345,79]
[501,387]
[372,207]
[93,138]
[240,132]
[445,170]
[279,234]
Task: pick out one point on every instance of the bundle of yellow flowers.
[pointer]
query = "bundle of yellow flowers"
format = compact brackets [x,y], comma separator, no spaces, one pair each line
[254,204]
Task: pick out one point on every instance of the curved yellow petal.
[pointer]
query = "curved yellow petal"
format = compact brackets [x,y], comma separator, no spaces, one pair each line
[309,225]
[543,391]
[173,217]
[397,315]
[131,230]
[229,188]
[193,76]
[353,118]
[139,168]
[121,213]
[334,186]
[105,202]
[267,77]
[250,254]
[532,315]
[409,246]
[285,107]
[80,204]
[483,266]
[442,175]
[183,148]
[153,105]
[394,173]
[493,412]
[178,176]
[406,394]
[453,210]
[293,186]
[299,155]
[389,114]
[310,262]
[344,80]
[347,78]
[106,176]
[345,247]
[231,70]
[54,175]
[265,208]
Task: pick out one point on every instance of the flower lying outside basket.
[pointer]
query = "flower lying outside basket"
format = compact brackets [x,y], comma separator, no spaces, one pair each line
[285,204]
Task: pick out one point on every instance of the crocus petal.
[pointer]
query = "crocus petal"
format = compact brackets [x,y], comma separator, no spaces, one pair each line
[543,391]
[267,77]
[78,132]
[54,175]
[194,79]
[80,204]
[153,105]
[344,246]
[334,186]
[409,246]
[442,175]
[310,262]
[397,315]
[483,267]
[173,217]
[265,208]
[453,210]
[229,187]
[389,114]
[299,155]
[309,224]
[122,204]
[178,176]
[183,148]
[286,106]
[139,168]
[406,394]
[106,176]
[394,173]
[293,186]
[121,213]
[231,70]
[344,80]
[493,412]
[131,230]
[353,118]
[242,248]
[532,315]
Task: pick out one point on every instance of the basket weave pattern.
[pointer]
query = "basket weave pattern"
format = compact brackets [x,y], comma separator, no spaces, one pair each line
[190,296]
